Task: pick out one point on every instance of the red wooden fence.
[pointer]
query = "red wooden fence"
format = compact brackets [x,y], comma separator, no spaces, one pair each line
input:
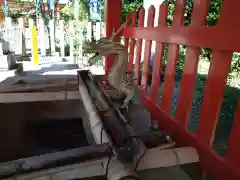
[195,36]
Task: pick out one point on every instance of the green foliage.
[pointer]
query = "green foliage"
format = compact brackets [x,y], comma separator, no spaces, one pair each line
[211,19]
[84,12]
[235,66]
[102,10]
[78,35]
[67,13]
[129,6]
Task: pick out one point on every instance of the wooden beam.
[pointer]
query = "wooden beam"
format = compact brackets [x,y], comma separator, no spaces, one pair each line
[38,96]
[154,158]
[39,87]
[39,83]
[54,160]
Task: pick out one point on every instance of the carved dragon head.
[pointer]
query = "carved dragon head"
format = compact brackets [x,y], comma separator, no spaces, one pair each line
[103,46]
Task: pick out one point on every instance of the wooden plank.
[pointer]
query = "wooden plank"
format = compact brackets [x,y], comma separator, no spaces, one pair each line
[41,88]
[132,42]
[188,80]
[190,35]
[159,52]
[167,157]
[139,46]
[213,96]
[126,40]
[172,59]
[147,49]
[38,96]
[39,83]
[53,160]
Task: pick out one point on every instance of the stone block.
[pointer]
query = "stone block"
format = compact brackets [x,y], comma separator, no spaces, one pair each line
[8,61]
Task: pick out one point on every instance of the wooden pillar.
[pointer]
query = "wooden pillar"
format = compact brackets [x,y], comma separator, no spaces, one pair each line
[113,16]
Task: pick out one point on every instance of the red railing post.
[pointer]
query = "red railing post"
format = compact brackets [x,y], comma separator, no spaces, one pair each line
[112,16]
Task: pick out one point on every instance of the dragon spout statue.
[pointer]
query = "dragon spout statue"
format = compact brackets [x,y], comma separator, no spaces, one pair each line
[118,77]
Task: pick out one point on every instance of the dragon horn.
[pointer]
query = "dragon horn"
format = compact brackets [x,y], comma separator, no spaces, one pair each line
[121,27]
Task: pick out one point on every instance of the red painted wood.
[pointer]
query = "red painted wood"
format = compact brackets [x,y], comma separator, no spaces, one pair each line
[172,59]
[113,16]
[218,168]
[200,11]
[179,13]
[213,95]
[147,49]
[139,46]
[187,85]
[222,43]
[229,13]
[132,41]
[190,67]
[126,39]
[233,146]
[159,52]
[190,35]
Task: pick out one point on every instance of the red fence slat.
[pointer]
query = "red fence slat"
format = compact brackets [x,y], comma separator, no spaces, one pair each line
[126,39]
[229,13]
[147,49]
[233,146]
[190,67]
[139,46]
[159,51]
[213,95]
[172,59]
[132,40]
[187,85]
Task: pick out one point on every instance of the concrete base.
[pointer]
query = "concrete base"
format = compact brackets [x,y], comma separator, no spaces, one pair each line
[8,62]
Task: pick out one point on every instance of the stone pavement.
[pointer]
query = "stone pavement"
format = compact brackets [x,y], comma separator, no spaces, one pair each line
[51,65]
